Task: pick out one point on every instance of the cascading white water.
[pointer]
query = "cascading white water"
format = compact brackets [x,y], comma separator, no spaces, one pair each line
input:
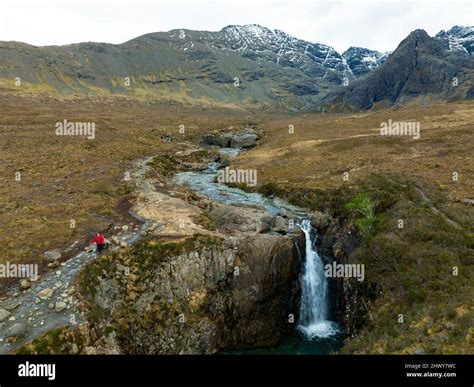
[313,310]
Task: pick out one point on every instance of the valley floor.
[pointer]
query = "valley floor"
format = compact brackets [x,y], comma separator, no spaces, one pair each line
[57,190]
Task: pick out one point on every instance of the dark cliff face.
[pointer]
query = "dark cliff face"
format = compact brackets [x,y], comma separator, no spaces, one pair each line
[350,298]
[204,297]
[362,60]
[421,68]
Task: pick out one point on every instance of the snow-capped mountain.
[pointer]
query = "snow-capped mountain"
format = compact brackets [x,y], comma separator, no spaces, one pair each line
[259,43]
[421,68]
[249,66]
[459,38]
[362,60]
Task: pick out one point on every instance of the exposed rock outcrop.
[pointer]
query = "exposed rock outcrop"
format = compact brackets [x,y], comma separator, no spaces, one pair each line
[244,139]
[230,280]
[201,290]
[200,295]
[351,297]
[51,256]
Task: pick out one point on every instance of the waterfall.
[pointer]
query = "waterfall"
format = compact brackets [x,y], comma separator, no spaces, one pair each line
[314,308]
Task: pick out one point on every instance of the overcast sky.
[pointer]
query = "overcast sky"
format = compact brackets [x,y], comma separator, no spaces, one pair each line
[377,24]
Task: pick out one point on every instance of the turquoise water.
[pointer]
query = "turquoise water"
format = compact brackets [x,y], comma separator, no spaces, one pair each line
[203,182]
[297,345]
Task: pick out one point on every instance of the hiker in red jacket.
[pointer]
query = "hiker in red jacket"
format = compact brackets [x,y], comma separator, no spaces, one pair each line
[99,240]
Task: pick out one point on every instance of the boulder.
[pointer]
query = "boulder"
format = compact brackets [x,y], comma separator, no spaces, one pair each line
[60,306]
[280,225]
[221,140]
[25,284]
[51,256]
[45,294]
[243,141]
[319,220]
[17,331]
[4,314]
[11,304]
[53,265]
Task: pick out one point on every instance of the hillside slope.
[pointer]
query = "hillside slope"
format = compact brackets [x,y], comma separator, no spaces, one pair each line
[248,67]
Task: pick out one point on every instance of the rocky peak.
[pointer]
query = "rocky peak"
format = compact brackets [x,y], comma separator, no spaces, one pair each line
[260,43]
[419,41]
[420,66]
[248,30]
[362,60]
[459,39]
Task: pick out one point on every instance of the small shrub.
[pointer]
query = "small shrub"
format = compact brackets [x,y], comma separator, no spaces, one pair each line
[362,204]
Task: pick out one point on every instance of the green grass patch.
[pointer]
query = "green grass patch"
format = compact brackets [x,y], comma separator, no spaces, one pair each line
[50,342]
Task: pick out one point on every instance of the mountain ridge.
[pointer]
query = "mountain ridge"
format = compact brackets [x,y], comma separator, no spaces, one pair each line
[421,69]
[241,66]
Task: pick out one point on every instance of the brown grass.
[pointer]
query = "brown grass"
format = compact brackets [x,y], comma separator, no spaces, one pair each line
[64,178]
[323,147]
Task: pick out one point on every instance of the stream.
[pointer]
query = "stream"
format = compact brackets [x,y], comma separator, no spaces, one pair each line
[32,312]
[315,333]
